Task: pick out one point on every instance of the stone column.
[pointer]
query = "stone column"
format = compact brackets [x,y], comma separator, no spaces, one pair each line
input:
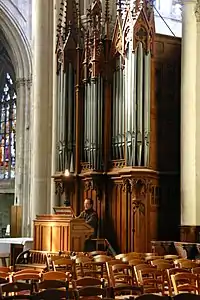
[22,169]
[197,12]
[189,167]
[42,105]
[54,198]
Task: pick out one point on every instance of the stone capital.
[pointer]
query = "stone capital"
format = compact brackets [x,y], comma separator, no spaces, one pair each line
[23,82]
[197,10]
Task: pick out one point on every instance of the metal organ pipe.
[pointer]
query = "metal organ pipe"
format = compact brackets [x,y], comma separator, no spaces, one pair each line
[58,121]
[70,118]
[114,115]
[99,123]
[85,124]
[120,110]
[140,104]
[89,121]
[123,110]
[147,88]
[95,122]
[128,108]
[64,118]
[134,108]
[117,113]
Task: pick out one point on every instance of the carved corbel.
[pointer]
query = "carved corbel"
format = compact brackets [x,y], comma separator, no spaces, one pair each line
[94,184]
[59,188]
[126,185]
[87,185]
[140,188]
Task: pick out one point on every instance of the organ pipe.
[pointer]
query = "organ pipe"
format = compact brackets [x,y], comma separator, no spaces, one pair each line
[134,109]
[93,122]
[140,104]
[147,89]
[118,112]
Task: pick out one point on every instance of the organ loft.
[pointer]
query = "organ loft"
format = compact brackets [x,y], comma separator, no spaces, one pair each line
[118,129]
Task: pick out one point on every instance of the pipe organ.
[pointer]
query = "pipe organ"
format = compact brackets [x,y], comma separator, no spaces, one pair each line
[106,118]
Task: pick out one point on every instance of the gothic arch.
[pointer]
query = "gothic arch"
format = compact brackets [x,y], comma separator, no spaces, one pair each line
[19,51]
[17,44]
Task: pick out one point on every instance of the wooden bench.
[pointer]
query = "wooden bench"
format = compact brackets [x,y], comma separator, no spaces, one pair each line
[34,259]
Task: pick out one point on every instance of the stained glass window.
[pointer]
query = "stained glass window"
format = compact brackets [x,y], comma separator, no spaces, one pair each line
[7,129]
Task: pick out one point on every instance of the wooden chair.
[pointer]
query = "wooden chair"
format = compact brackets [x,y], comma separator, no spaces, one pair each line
[136,261]
[102,258]
[184,282]
[90,292]
[170,272]
[5,277]
[19,289]
[138,268]
[171,257]
[65,265]
[121,274]
[178,261]
[196,271]
[152,297]
[97,252]
[6,269]
[149,254]
[152,280]
[56,275]
[130,257]
[32,277]
[82,263]
[186,296]
[32,259]
[128,291]
[52,294]
[120,256]
[29,271]
[94,269]
[51,284]
[87,281]
[24,277]
[163,266]
[150,258]
[188,264]
[159,260]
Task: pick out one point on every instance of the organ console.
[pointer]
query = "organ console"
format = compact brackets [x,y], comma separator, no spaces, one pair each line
[60,231]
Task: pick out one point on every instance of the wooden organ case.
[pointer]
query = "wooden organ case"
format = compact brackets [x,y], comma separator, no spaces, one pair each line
[60,231]
[108,119]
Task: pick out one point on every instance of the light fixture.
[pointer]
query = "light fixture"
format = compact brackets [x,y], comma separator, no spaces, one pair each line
[66,173]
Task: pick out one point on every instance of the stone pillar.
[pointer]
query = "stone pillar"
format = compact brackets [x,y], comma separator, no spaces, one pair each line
[42,105]
[22,169]
[189,147]
[197,12]
[54,198]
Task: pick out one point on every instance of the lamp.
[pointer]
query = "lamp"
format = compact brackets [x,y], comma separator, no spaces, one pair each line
[67,196]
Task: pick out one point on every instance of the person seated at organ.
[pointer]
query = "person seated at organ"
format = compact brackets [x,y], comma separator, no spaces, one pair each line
[91,218]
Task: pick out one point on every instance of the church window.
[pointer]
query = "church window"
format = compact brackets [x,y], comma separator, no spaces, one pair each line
[8,129]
